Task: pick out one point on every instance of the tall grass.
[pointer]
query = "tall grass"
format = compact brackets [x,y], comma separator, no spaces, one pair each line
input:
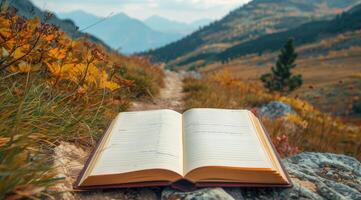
[34,119]
[55,89]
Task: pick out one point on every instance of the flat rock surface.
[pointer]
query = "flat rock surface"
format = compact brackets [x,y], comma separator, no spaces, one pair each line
[314,175]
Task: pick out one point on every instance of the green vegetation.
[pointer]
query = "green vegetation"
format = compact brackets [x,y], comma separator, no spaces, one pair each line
[356,107]
[281,78]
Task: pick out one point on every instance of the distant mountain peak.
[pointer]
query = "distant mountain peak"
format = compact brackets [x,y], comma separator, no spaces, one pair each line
[153,17]
[121,15]
[121,31]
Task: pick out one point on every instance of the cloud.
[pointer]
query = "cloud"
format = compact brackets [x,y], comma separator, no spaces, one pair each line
[181,10]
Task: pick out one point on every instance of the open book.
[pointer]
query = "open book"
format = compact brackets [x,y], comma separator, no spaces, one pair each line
[201,148]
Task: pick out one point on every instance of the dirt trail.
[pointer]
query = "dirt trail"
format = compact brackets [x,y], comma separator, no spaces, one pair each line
[170,96]
[69,159]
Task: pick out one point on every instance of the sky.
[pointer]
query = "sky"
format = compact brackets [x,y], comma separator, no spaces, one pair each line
[180,10]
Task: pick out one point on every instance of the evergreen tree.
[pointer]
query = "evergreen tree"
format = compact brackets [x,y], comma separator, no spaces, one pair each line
[281,78]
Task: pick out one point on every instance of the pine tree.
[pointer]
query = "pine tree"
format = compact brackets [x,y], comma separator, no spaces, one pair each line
[281,78]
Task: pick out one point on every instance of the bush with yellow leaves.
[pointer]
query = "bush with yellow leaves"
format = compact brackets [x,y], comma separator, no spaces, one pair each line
[52,89]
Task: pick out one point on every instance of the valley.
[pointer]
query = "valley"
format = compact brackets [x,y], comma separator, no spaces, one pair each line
[328,46]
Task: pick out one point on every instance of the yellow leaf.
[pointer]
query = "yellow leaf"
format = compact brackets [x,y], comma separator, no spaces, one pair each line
[24,67]
[33,23]
[13,69]
[111,85]
[49,37]
[5,32]
[57,53]
[18,53]
[5,27]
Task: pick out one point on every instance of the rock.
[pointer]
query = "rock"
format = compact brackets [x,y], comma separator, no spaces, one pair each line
[191,74]
[275,110]
[121,194]
[68,162]
[314,175]
[202,194]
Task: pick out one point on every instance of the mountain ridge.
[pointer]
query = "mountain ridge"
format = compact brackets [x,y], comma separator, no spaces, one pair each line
[137,37]
[347,21]
[248,22]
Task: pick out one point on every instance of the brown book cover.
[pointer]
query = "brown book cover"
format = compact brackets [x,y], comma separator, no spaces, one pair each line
[183,184]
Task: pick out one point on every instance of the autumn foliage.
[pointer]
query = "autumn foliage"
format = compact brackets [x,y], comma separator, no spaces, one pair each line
[54,88]
[32,46]
[307,130]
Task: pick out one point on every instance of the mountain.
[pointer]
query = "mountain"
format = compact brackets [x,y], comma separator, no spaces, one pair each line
[251,21]
[306,33]
[27,9]
[121,31]
[80,18]
[171,26]
[201,22]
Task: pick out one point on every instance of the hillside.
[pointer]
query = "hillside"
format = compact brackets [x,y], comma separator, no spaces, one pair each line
[121,32]
[329,61]
[53,89]
[27,9]
[306,33]
[251,21]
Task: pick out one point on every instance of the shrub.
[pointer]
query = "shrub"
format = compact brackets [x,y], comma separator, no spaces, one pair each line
[356,107]
[54,89]
[281,78]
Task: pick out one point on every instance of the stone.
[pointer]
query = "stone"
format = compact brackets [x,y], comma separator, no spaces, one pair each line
[275,109]
[314,175]
[191,74]
[202,194]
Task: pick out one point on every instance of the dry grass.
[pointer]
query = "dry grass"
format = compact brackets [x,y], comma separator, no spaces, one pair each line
[53,91]
[322,73]
[309,130]
[36,117]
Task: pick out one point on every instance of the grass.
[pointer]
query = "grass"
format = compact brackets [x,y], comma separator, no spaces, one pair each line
[309,130]
[321,67]
[54,90]
[36,117]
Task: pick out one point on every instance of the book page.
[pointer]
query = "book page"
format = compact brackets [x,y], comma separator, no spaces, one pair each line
[219,137]
[143,140]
